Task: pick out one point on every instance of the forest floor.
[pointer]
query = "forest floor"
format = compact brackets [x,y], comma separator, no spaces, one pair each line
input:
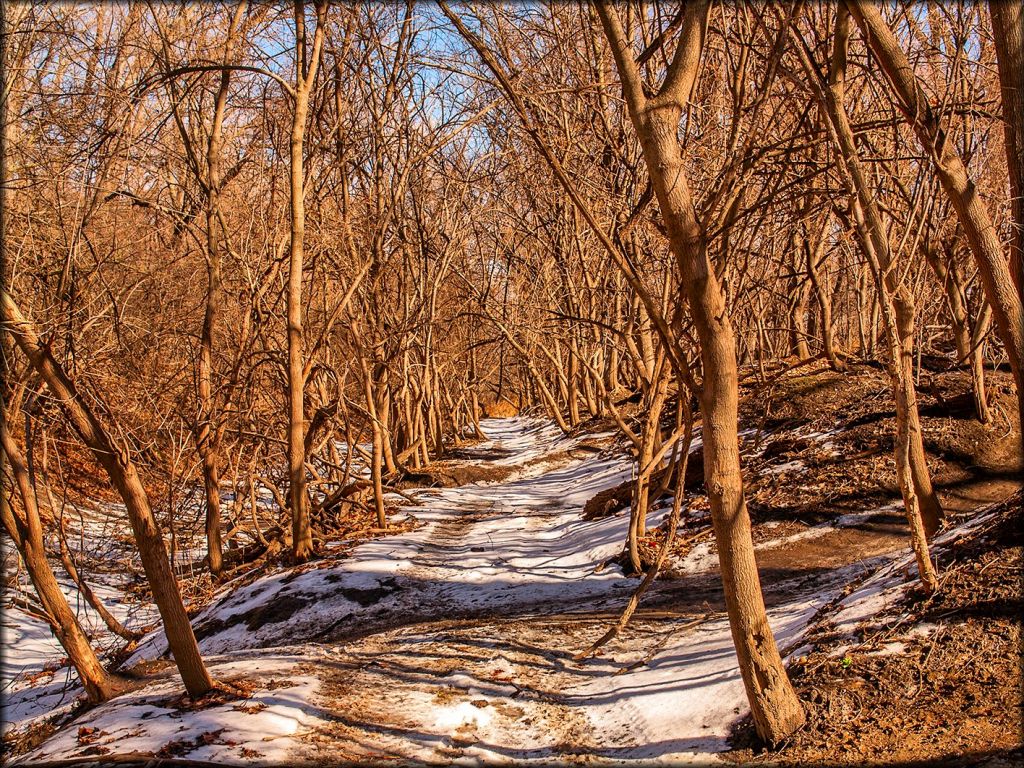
[454,639]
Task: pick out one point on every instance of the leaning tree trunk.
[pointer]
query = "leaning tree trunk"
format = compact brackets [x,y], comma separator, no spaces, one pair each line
[919,533]
[895,298]
[123,475]
[27,535]
[899,364]
[977,361]
[650,442]
[87,592]
[774,705]
[1002,291]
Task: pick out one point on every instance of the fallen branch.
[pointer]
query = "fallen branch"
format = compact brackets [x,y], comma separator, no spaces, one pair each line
[661,644]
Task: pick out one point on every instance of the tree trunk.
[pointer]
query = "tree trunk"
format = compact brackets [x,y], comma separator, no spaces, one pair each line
[863,297]
[298,496]
[814,257]
[977,361]
[572,392]
[27,536]
[611,381]
[1002,291]
[206,439]
[1008,32]
[66,558]
[377,455]
[775,708]
[908,420]
[800,298]
[904,475]
[384,411]
[967,352]
[896,298]
[68,562]
[650,442]
[123,476]
[474,406]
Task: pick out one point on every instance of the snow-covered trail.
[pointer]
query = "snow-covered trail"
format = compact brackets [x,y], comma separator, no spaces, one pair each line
[480,549]
[454,641]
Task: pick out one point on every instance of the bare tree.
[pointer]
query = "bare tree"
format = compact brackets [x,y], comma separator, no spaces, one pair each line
[776,710]
[1008,31]
[307,57]
[1003,294]
[123,475]
[27,534]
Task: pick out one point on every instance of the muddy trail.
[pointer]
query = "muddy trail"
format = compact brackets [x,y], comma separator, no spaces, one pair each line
[516,667]
[455,640]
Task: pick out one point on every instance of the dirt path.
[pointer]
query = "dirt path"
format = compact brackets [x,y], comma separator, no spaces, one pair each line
[455,641]
[501,682]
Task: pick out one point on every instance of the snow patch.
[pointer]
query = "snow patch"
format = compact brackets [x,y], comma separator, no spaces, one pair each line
[267,726]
